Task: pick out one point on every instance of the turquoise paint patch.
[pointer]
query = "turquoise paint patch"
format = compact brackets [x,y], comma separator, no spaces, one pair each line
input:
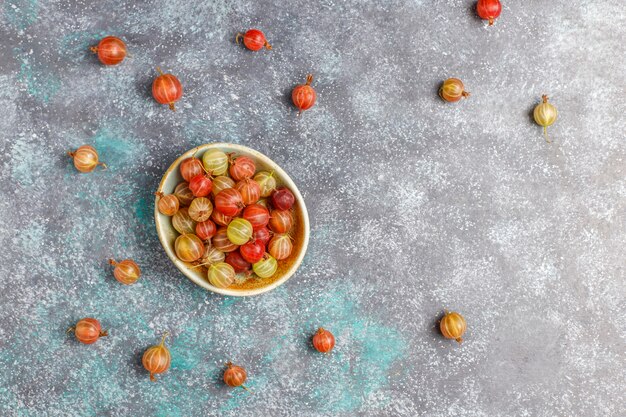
[40,83]
[21,13]
[115,147]
[75,46]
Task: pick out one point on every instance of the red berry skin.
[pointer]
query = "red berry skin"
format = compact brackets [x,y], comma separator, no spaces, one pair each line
[283,199]
[323,341]
[255,40]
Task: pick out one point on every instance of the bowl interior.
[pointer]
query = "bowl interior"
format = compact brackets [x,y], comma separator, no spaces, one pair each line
[300,232]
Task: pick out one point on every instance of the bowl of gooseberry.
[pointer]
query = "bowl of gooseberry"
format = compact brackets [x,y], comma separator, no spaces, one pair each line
[231,220]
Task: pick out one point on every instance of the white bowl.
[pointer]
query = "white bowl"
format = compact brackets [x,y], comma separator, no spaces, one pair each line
[300,232]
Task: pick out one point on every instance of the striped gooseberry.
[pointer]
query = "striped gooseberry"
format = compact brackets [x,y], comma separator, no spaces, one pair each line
[241,167]
[229,202]
[304,96]
[489,10]
[200,209]
[280,246]
[252,251]
[250,191]
[191,167]
[266,182]
[221,183]
[453,90]
[127,272]
[239,231]
[110,50]
[253,39]
[156,359]
[215,162]
[201,185]
[168,204]
[189,247]
[211,255]
[85,159]
[323,340]
[184,194]
[88,330]
[205,230]
[182,222]
[221,241]
[221,275]
[266,267]
[235,376]
[257,215]
[283,199]
[220,219]
[167,89]
[263,235]
[280,221]
[237,261]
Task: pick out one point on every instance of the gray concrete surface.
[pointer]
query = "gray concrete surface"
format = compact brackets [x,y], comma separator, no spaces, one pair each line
[416,206]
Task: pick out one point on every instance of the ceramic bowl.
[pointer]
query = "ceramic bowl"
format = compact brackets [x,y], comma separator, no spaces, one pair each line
[300,232]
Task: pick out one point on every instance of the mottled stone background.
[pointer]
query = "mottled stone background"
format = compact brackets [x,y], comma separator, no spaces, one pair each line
[416,206]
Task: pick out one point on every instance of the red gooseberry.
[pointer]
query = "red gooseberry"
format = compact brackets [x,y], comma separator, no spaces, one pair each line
[283,199]
[201,185]
[253,39]
[229,202]
[304,96]
[235,376]
[237,261]
[156,359]
[88,331]
[168,204]
[127,272]
[241,168]
[489,10]
[257,215]
[280,246]
[252,251]
[206,230]
[281,221]
[250,191]
[190,168]
[167,89]
[110,50]
[262,235]
[323,341]
[221,219]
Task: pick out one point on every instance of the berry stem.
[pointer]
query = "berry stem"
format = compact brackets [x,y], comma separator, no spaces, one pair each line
[309,79]
[104,333]
[238,37]
[268,46]
[112,262]
[94,49]
[159,70]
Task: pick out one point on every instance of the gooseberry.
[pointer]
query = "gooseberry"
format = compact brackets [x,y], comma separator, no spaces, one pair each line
[221,183]
[250,191]
[200,209]
[215,162]
[266,182]
[453,326]
[205,230]
[241,168]
[280,246]
[253,39]
[211,255]
[188,247]
[110,50]
[220,219]
[221,275]
[262,235]
[453,90]
[88,331]
[168,204]
[235,376]
[489,10]
[182,222]
[283,199]
[221,241]
[257,215]
[201,185]
[167,89]
[239,231]
[236,260]
[280,221]
[323,340]
[545,115]
[229,202]
[252,251]
[266,267]
[191,167]
[156,359]
[127,272]
[184,194]
[304,96]
[85,159]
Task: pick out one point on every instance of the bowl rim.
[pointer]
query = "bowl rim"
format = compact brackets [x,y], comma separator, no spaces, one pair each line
[286,179]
